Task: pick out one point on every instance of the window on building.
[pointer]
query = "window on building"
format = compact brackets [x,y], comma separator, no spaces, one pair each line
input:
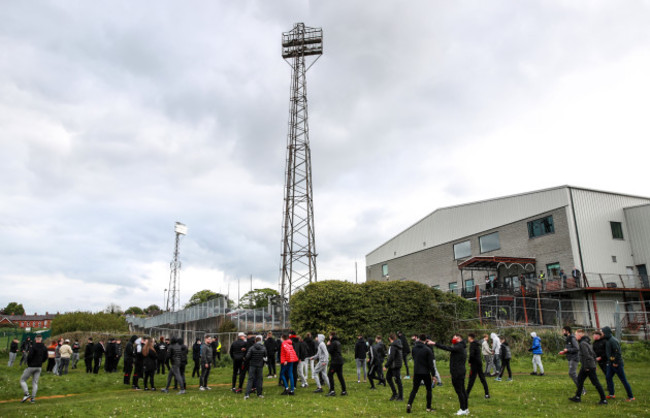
[22,324]
[540,227]
[617,230]
[489,242]
[453,286]
[552,270]
[469,285]
[462,250]
[384,270]
[437,287]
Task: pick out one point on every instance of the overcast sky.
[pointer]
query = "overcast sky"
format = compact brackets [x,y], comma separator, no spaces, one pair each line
[119,118]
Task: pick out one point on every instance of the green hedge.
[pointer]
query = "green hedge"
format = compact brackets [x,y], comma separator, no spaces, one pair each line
[378,308]
[87,321]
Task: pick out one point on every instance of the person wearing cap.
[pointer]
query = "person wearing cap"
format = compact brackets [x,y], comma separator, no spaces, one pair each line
[237,353]
[66,353]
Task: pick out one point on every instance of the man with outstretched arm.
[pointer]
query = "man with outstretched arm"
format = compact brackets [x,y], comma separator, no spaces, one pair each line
[457,368]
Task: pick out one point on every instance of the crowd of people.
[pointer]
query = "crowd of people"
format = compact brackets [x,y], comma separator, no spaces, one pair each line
[298,356]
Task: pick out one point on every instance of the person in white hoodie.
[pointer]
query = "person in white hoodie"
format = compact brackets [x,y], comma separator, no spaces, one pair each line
[322,358]
[496,349]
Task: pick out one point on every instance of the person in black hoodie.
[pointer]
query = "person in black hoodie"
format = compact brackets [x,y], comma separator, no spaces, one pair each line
[336,364]
[161,349]
[312,349]
[506,355]
[393,366]
[600,350]
[255,357]
[303,365]
[110,355]
[422,371]
[457,369]
[98,352]
[237,353]
[196,356]
[128,359]
[406,350]
[587,368]
[184,352]
[360,351]
[375,361]
[88,355]
[270,346]
[476,366]
[35,359]
[174,355]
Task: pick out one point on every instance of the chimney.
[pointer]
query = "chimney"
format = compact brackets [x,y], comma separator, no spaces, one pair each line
[46,313]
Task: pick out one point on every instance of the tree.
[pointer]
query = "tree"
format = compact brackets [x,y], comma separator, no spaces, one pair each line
[204,296]
[113,308]
[14,308]
[257,298]
[379,308]
[134,310]
[152,309]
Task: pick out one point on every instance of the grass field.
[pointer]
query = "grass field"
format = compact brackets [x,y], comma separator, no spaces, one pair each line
[79,394]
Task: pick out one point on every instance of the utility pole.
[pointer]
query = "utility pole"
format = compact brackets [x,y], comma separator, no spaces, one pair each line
[174,295]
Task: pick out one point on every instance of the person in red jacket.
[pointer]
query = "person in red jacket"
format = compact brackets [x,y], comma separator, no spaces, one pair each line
[287,358]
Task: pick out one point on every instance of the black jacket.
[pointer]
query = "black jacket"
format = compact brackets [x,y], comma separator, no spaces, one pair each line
[174,354]
[303,350]
[98,350]
[505,353]
[394,360]
[236,351]
[270,346]
[312,348]
[196,352]
[334,348]
[573,350]
[600,350]
[475,358]
[360,349]
[161,349]
[405,345]
[150,360]
[422,359]
[587,354]
[457,358]
[90,349]
[14,347]
[184,352]
[37,355]
[129,349]
[255,355]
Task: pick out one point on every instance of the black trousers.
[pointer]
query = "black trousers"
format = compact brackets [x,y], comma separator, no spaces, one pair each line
[128,368]
[473,372]
[98,364]
[197,368]
[271,365]
[405,357]
[505,364]
[417,381]
[593,377]
[181,370]
[89,364]
[148,378]
[458,381]
[393,374]
[374,373]
[237,369]
[603,367]
[138,371]
[338,370]
[161,366]
[205,373]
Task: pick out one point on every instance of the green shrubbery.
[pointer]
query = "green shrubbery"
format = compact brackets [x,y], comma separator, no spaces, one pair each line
[87,321]
[378,308]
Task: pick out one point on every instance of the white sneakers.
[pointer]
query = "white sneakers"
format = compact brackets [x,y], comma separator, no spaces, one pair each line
[461,412]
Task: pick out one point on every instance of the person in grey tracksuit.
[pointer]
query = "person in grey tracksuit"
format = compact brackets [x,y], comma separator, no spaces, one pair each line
[321,359]
[572,352]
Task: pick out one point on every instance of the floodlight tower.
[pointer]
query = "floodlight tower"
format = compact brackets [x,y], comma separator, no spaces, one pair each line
[299,244]
[174,294]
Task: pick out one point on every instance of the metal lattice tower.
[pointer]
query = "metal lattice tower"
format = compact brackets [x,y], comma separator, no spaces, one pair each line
[299,244]
[174,295]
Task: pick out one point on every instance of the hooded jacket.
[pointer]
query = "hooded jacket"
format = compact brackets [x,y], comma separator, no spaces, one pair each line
[236,351]
[287,353]
[206,354]
[394,360]
[496,344]
[600,350]
[334,349]
[572,348]
[322,355]
[256,355]
[269,344]
[506,354]
[129,350]
[537,343]
[405,344]
[422,358]
[587,354]
[312,346]
[174,353]
[196,351]
[360,349]
[475,358]
[457,358]
[612,348]
[37,355]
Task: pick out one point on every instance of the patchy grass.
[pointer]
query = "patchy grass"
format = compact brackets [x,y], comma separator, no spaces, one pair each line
[105,395]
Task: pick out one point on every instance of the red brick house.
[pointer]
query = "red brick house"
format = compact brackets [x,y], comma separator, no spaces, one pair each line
[28,321]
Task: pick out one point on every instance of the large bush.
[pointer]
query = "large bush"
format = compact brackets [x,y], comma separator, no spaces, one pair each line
[87,321]
[377,308]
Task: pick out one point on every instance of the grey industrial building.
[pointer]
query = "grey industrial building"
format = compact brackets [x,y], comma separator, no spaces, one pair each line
[500,246]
